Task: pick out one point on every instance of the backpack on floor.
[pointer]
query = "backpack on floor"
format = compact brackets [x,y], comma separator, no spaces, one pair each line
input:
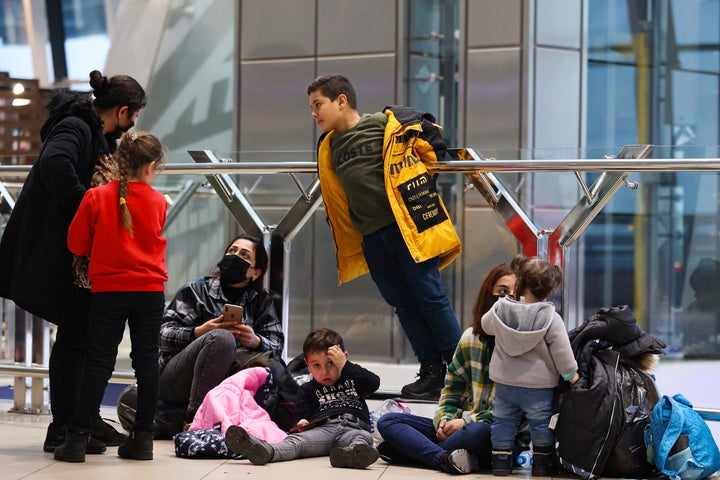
[679,441]
[169,416]
[295,374]
[203,443]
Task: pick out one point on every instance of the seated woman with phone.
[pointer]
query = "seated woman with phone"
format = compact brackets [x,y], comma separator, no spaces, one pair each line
[215,326]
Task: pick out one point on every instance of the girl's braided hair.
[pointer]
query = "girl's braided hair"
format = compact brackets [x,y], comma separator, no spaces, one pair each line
[136,150]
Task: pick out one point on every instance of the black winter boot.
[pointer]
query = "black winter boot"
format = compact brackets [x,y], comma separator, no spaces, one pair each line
[543,461]
[56,436]
[138,446]
[431,380]
[356,456]
[258,451]
[73,448]
[106,433]
[501,463]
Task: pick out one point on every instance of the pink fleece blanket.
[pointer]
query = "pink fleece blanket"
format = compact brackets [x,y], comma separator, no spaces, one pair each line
[232,403]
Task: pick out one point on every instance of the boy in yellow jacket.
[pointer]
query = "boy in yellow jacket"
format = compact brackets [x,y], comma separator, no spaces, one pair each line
[387,217]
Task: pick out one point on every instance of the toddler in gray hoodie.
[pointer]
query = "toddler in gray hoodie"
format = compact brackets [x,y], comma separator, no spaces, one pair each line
[532,353]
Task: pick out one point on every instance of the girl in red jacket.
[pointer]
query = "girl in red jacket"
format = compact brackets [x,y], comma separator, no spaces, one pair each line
[119,225]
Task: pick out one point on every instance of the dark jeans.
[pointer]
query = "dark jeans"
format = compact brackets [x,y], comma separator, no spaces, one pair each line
[67,357]
[415,437]
[416,292]
[198,368]
[108,313]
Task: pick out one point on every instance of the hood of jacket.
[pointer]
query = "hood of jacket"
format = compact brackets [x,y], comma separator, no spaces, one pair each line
[521,326]
[406,115]
[71,104]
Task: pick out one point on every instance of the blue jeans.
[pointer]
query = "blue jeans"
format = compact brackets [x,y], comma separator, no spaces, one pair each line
[416,292]
[109,311]
[509,405]
[415,437]
[318,441]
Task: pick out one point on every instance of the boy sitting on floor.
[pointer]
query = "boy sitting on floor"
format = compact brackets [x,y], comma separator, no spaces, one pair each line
[333,416]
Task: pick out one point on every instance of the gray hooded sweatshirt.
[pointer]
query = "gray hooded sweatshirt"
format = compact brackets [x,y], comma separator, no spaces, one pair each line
[532,348]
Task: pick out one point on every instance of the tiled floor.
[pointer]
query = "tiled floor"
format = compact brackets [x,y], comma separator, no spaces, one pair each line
[21,437]
[21,457]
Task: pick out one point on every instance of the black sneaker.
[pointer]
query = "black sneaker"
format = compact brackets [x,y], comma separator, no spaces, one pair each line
[458,462]
[391,455]
[357,456]
[430,382]
[259,452]
[56,436]
[106,433]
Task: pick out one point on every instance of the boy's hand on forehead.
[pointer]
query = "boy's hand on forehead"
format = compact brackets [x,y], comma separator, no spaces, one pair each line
[337,356]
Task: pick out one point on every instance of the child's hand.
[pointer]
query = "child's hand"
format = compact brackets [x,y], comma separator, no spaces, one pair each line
[302,422]
[574,379]
[337,356]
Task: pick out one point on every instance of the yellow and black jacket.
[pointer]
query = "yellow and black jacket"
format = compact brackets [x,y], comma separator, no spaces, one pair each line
[411,145]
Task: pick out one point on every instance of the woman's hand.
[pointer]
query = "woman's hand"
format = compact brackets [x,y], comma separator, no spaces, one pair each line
[213,324]
[245,335]
[448,428]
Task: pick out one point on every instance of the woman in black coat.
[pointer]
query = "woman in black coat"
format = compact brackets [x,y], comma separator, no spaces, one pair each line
[37,271]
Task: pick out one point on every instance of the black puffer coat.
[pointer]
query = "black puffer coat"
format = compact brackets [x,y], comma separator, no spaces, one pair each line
[601,419]
[35,263]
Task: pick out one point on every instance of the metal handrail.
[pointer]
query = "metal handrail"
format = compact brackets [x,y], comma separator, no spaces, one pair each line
[460,166]
[38,371]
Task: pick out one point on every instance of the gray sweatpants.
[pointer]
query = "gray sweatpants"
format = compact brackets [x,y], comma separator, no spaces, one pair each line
[318,441]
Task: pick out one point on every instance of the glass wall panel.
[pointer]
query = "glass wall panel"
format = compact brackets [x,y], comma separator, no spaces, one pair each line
[86,39]
[15,55]
[192,106]
[432,63]
[653,76]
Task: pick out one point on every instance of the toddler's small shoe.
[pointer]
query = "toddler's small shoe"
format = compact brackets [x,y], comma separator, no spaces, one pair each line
[357,456]
[238,440]
[543,461]
[501,463]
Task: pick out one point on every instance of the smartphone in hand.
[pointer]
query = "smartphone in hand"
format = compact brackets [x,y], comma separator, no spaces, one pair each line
[309,425]
[233,313]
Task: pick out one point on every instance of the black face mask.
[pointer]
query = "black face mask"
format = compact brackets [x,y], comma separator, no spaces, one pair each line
[114,136]
[233,269]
